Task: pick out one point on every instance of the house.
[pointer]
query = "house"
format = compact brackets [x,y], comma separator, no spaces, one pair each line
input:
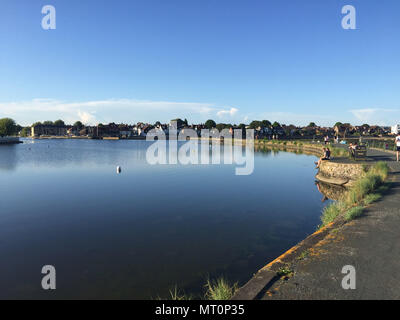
[88,131]
[109,130]
[48,130]
[343,129]
[73,131]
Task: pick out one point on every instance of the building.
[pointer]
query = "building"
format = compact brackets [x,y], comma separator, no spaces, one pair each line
[108,130]
[48,130]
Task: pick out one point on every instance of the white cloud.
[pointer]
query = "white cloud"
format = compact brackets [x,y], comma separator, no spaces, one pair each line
[379,116]
[231,112]
[112,110]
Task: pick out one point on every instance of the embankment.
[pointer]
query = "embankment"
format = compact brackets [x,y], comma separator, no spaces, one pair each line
[364,183]
[339,171]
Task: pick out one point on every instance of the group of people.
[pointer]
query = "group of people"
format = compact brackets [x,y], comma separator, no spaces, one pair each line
[352,147]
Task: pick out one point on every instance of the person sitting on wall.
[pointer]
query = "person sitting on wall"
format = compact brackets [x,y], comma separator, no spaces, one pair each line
[326,156]
[352,149]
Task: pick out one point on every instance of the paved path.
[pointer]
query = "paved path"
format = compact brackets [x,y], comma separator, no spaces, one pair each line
[370,243]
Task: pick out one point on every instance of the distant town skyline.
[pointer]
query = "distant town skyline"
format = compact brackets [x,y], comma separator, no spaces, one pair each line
[132,111]
[231,61]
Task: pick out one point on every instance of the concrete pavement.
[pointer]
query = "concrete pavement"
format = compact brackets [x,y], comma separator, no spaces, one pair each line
[370,243]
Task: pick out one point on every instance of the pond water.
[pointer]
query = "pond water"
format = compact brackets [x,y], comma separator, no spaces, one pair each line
[137,234]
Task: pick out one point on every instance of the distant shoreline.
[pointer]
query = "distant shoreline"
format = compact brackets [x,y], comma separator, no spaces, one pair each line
[86,138]
[9,140]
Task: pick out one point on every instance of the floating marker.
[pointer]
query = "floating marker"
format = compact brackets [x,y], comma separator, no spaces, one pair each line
[118,169]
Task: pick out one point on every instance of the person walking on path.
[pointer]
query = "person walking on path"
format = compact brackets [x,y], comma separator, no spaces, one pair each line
[397,146]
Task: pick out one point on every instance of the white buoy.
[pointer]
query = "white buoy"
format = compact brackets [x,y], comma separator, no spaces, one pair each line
[118,169]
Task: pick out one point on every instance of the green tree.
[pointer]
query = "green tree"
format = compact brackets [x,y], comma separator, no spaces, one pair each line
[25,132]
[59,123]
[7,127]
[78,125]
[266,123]
[312,124]
[338,124]
[48,123]
[255,124]
[36,124]
[276,124]
[210,124]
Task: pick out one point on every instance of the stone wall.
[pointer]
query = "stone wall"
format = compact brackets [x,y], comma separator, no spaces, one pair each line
[339,173]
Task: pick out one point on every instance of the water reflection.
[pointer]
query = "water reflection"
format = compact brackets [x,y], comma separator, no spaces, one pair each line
[330,191]
[139,233]
[8,157]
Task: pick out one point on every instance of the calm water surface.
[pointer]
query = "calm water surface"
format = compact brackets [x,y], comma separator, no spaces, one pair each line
[139,233]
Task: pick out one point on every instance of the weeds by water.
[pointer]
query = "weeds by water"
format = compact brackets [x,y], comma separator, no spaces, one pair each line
[366,190]
[353,213]
[176,294]
[372,197]
[220,289]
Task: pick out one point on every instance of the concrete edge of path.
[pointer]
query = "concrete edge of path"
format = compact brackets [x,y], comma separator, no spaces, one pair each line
[268,275]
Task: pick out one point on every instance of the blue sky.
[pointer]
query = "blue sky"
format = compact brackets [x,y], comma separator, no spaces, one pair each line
[233,61]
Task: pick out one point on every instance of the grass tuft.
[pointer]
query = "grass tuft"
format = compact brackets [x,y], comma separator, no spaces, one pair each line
[284,271]
[366,190]
[372,197]
[220,289]
[353,213]
[175,294]
[331,212]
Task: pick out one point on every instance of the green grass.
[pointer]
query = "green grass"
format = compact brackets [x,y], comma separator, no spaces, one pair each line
[175,294]
[353,213]
[220,289]
[284,271]
[366,190]
[372,197]
[339,152]
[303,255]
[330,213]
